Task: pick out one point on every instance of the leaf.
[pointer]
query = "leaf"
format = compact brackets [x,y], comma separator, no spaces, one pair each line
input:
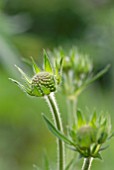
[69,165]
[56,132]
[36,69]
[47,64]
[36,167]
[36,92]
[80,120]
[88,82]
[18,84]
[61,65]
[93,119]
[46,162]
[98,155]
[23,74]
[98,75]
[112,135]
[104,148]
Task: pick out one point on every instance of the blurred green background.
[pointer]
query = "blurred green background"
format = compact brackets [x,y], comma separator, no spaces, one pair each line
[28,26]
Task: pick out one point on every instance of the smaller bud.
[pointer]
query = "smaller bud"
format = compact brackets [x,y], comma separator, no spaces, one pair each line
[81,68]
[89,137]
[86,135]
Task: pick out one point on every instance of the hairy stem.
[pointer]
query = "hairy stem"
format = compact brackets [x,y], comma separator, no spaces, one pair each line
[72,118]
[87,163]
[58,123]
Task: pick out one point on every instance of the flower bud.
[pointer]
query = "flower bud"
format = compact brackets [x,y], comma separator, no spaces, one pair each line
[44,82]
[86,135]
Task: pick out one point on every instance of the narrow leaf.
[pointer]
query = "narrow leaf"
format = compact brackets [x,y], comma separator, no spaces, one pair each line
[80,120]
[18,84]
[112,135]
[61,65]
[46,162]
[36,69]
[104,148]
[98,75]
[69,165]
[88,82]
[36,167]
[98,155]
[93,119]
[23,74]
[47,64]
[56,132]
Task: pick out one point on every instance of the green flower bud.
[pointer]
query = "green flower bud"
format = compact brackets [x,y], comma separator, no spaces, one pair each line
[86,135]
[77,71]
[89,137]
[44,81]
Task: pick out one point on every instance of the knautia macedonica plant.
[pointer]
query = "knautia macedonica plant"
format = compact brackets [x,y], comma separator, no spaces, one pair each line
[43,84]
[75,71]
[88,138]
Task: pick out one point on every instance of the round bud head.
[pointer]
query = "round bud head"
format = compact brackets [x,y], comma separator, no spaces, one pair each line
[86,135]
[44,82]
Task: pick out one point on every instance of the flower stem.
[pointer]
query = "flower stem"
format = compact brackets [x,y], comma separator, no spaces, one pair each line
[87,163]
[74,107]
[58,123]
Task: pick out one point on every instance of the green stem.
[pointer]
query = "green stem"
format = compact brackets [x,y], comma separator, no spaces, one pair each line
[69,112]
[74,107]
[58,123]
[72,118]
[87,163]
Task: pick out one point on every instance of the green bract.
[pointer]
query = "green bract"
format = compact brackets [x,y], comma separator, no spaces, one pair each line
[44,81]
[86,137]
[77,71]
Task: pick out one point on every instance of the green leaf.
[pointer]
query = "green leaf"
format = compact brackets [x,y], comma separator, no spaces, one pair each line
[36,167]
[69,164]
[18,84]
[98,155]
[46,162]
[80,120]
[88,82]
[56,132]
[93,119]
[45,90]
[36,92]
[36,69]
[104,148]
[61,65]
[98,75]
[73,161]
[47,64]
[22,87]
[23,74]
[112,135]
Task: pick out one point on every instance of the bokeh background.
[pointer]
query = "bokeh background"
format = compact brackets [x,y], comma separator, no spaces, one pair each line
[28,26]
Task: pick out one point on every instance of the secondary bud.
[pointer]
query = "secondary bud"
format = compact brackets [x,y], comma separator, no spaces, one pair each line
[86,135]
